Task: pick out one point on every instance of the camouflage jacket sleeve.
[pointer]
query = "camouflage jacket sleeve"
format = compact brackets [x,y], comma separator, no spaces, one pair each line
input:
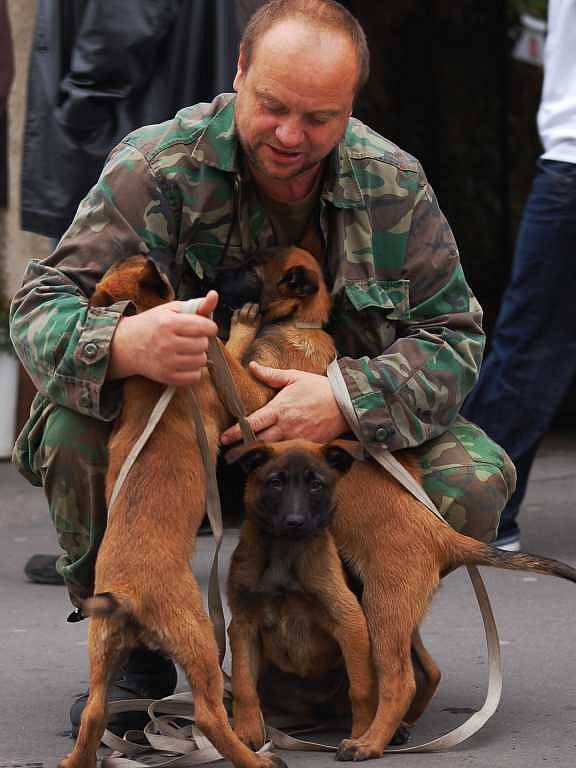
[62,342]
[413,391]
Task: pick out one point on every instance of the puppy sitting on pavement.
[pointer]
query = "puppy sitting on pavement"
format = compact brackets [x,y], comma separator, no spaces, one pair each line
[292,609]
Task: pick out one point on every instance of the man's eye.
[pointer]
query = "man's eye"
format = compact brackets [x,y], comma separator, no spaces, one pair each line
[319,119]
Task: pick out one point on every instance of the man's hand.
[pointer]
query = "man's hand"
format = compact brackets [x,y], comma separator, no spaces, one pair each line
[304,408]
[164,343]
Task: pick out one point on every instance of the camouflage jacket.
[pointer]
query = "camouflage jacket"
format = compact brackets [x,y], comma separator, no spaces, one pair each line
[407,328]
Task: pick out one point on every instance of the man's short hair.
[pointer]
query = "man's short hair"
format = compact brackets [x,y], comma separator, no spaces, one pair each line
[326,14]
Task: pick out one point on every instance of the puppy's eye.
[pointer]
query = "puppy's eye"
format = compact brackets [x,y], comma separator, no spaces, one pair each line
[316,485]
[275,483]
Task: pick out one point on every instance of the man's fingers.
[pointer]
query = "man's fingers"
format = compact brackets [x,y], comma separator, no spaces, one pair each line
[185,363]
[189,345]
[195,325]
[209,304]
[259,421]
[271,435]
[273,377]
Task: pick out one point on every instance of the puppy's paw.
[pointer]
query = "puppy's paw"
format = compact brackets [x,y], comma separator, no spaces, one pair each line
[270,760]
[250,732]
[401,737]
[249,314]
[354,750]
[72,761]
[364,749]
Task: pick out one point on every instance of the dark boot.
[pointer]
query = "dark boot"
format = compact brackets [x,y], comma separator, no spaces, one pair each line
[146,675]
[41,569]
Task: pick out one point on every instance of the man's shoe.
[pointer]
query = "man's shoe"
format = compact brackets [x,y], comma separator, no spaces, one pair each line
[509,542]
[146,675]
[41,569]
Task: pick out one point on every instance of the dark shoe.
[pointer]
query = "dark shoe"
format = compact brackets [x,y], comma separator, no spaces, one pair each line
[146,675]
[41,569]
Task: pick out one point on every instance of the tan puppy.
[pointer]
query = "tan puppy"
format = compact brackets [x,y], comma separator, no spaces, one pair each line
[145,592]
[292,609]
[400,550]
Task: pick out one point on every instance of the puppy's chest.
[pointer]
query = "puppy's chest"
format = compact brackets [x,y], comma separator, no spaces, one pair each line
[304,350]
[291,624]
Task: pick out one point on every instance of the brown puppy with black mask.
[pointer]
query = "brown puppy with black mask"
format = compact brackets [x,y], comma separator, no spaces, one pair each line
[293,612]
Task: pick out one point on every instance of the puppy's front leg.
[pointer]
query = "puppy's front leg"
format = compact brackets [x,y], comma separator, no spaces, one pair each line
[244,328]
[323,574]
[246,568]
[245,649]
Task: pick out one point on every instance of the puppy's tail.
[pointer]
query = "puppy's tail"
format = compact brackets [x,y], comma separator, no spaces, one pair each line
[104,604]
[477,553]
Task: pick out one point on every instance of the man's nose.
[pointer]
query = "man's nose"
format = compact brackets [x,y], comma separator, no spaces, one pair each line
[289,134]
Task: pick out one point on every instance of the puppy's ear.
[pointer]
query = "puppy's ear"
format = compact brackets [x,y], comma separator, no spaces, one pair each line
[151,280]
[135,279]
[340,454]
[298,282]
[101,298]
[250,456]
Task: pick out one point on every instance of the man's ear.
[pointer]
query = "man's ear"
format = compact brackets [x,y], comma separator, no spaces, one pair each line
[340,454]
[298,282]
[250,456]
[240,71]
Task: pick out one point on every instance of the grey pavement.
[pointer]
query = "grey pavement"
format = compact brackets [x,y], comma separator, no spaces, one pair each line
[43,661]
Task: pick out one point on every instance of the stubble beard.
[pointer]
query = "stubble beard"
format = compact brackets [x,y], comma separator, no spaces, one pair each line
[251,155]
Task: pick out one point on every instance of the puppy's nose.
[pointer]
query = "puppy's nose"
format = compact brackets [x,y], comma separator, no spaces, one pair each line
[294,521]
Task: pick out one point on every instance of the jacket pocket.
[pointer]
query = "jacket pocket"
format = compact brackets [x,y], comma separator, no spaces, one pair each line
[366,315]
[390,297]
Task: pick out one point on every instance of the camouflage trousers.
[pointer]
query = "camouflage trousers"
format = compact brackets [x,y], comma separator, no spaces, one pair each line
[466,474]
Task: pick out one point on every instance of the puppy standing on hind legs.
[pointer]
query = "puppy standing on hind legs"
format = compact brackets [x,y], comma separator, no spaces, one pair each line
[145,593]
[390,539]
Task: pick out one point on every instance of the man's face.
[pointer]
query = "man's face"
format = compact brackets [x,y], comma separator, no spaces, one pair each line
[295,99]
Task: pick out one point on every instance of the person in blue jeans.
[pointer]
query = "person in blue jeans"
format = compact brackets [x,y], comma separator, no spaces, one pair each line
[532,363]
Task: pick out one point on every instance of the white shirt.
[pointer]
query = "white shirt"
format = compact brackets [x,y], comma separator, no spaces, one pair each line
[557,112]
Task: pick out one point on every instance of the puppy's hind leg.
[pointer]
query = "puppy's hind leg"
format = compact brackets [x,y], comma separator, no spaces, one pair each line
[106,652]
[188,635]
[427,676]
[390,627]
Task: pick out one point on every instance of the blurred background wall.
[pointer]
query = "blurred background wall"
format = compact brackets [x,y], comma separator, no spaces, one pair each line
[19,246]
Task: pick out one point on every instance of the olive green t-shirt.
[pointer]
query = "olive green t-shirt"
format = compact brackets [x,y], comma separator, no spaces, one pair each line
[290,221]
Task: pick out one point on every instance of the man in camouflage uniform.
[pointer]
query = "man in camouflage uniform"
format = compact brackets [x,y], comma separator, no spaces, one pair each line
[203,192]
